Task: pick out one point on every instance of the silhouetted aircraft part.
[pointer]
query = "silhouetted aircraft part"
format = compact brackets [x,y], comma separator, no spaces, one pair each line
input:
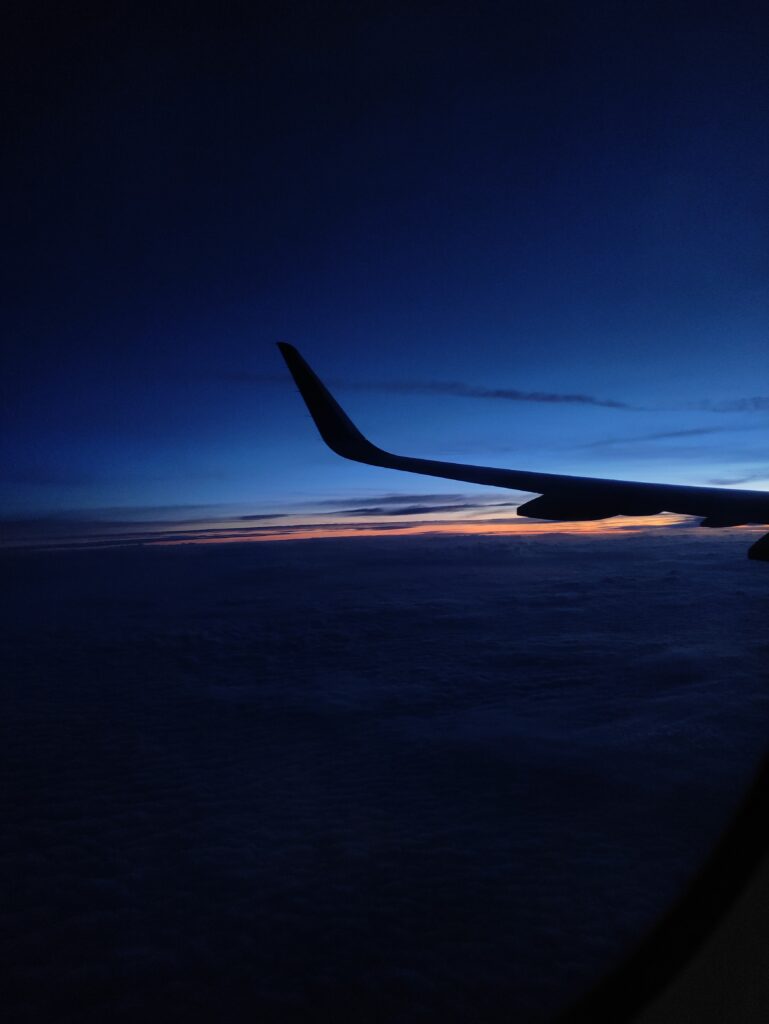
[548,507]
[759,551]
[564,497]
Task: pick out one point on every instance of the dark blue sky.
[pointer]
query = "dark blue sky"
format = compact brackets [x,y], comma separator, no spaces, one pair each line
[553,198]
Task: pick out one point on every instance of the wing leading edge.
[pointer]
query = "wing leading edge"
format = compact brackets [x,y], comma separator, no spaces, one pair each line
[561,497]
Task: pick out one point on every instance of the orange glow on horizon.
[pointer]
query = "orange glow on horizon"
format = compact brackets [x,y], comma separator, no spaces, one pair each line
[316,527]
[524,527]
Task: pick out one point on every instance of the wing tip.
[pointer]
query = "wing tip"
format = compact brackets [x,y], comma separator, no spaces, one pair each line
[334,425]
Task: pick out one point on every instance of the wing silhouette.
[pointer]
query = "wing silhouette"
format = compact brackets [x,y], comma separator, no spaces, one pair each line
[561,497]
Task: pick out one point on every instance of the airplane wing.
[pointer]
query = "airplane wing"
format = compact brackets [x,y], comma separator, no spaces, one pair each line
[561,497]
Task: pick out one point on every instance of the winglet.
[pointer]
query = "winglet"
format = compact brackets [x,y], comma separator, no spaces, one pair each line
[335,426]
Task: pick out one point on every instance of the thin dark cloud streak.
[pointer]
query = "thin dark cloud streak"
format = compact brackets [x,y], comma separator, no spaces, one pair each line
[662,435]
[412,510]
[454,389]
[458,389]
[263,515]
[756,403]
[734,481]
[389,499]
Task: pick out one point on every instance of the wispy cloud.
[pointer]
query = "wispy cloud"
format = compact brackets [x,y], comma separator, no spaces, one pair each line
[662,435]
[456,389]
[263,515]
[412,504]
[459,390]
[389,499]
[415,510]
[734,481]
[757,403]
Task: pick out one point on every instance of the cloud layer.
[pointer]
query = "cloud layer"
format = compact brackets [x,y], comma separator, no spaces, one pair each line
[482,512]
[398,779]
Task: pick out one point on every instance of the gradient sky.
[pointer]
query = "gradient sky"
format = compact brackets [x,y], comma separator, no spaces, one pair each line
[447,208]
